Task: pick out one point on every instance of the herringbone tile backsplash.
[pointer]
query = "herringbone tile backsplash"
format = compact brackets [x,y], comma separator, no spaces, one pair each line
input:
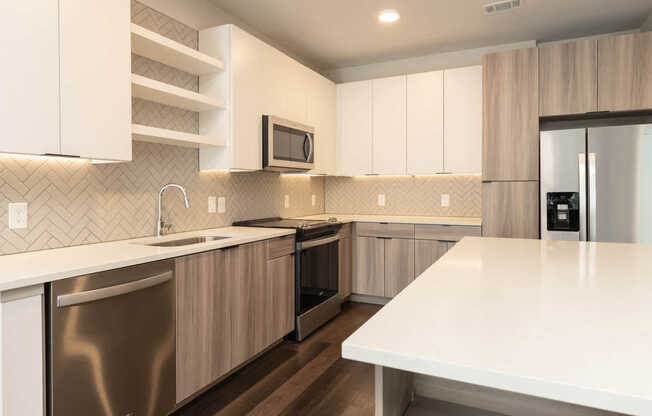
[72,202]
[406,195]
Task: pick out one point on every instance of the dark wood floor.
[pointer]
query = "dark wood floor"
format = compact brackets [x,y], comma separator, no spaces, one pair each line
[309,378]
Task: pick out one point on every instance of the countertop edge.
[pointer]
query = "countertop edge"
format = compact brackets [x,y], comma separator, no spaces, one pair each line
[400,219]
[38,278]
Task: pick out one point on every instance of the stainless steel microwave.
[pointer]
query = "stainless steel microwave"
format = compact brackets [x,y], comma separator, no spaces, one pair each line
[287,146]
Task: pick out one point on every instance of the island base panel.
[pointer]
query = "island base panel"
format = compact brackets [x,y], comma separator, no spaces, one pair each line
[403,393]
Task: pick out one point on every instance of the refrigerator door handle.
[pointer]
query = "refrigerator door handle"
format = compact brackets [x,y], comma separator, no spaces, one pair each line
[593,206]
[581,159]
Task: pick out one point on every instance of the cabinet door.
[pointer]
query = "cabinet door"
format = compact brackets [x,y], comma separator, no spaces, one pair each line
[248,303]
[369,277]
[204,295]
[23,351]
[625,72]
[389,121]
[354,128]
[463,120]
[95,79]
[399,265]
[511,116]
[425,123]
[510,209]
[322,103]
[426,253]
[30,76]
[279,299]
[345,255]
[568,81]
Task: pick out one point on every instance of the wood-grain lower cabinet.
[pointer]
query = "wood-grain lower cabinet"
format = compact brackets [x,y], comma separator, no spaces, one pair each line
[204,298]
[625,72]
[568,81]
[510,209]
[279,299]
[426,253]
[399,265]
[510,146]
[345,264]
[248,303]
[369,276]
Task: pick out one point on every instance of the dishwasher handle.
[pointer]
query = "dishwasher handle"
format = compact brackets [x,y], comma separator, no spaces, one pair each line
[112,291]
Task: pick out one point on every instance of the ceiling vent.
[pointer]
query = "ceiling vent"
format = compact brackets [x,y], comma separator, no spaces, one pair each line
[501,6]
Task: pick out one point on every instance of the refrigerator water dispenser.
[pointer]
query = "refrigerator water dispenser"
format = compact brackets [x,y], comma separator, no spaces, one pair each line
[563,211]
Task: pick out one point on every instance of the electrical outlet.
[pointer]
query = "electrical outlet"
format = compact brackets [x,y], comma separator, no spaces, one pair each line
[445,200]
[286,201]
[221,205]
[381,200]
[18,215]
[212,204]
[314,200]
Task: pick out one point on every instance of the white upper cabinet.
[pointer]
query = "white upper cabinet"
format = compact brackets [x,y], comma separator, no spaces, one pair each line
[354,139]
[96,78]
[389,123]
[29,84]
[258,80]
[425,123]
[66,79]
[321,116]
[463,120]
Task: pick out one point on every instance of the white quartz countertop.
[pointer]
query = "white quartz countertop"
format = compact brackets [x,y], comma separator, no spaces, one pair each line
[26,269]
[398,219]
[567,321]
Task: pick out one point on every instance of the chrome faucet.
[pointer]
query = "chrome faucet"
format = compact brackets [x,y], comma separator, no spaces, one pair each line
[161,226]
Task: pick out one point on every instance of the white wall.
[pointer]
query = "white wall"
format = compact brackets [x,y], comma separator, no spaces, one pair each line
[647,25]
[418,64]
[202,14]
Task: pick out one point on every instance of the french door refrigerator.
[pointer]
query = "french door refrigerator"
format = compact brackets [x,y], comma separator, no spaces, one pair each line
[596,184]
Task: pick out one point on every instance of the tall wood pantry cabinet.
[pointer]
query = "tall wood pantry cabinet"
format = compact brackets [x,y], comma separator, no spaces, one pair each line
[510,144]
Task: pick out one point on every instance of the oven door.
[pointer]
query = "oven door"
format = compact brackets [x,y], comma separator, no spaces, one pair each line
[287,146]
[317,272]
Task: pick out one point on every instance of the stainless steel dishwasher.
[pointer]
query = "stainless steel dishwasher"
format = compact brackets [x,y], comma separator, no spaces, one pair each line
[112,342]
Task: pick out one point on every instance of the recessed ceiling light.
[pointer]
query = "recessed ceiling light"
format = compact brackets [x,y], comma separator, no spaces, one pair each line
[388,15]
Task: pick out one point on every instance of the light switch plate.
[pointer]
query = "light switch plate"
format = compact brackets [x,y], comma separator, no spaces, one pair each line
[212,204]
[17,215]
[286,201]
[221,205]
[314,200]
[381,200]
[445,200]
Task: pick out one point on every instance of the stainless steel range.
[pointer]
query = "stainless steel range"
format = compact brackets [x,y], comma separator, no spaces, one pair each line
[316,270]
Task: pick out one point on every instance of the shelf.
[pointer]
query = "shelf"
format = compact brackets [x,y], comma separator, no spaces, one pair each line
[166,136]
[161,49]
[160,92]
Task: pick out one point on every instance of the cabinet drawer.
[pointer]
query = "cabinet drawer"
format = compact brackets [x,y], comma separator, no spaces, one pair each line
[280,247]
[383,229]
[444,232]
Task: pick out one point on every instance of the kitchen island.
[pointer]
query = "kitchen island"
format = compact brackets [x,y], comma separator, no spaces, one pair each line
[518,327]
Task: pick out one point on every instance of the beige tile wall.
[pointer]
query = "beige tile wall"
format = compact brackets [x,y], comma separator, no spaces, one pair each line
[73,203]
[405,195]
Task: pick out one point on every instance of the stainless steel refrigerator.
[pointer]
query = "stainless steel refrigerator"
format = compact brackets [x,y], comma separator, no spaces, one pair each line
[596,184]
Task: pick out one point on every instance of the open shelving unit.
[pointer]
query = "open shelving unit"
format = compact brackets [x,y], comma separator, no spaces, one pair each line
[166,136]
[160,92]
[151,45]
[156,47]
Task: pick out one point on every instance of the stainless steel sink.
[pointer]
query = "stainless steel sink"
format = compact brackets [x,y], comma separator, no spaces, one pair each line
[186,241]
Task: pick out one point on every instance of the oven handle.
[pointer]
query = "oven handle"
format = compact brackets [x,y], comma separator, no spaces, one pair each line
[315,243]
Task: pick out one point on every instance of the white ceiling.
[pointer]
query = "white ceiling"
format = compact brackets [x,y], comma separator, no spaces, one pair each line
[340,33]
